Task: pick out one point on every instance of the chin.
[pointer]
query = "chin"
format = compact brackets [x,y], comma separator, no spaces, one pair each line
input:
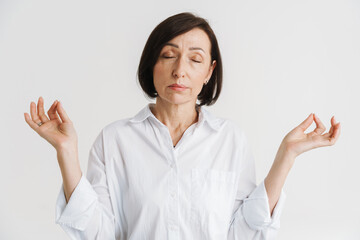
[177,99]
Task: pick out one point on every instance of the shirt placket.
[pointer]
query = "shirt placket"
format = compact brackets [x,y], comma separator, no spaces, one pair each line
[173,187]
[173,190]
[173,196]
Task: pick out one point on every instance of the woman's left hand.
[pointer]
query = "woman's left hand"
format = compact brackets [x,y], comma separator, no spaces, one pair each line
[297,142]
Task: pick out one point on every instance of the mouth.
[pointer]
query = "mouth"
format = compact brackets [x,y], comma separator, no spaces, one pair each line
[178,87]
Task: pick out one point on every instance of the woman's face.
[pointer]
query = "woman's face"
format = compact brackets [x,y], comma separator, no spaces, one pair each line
[184,60]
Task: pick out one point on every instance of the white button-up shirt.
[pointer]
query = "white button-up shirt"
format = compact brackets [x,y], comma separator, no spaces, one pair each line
[139,186]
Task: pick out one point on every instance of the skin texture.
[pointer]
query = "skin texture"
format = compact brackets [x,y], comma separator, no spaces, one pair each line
[176,110]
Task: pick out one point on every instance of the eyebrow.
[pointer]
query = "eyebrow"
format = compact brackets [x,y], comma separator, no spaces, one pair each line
[191,48]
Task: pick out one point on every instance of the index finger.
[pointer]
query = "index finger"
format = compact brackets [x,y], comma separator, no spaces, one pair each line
[64,117]
[52,111]
[320,128]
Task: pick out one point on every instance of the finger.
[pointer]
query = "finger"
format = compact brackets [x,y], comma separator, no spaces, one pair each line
[40,108]
[34,116]
[31,123]
[331,137]
[64,117]
[52,111]
[336,134]
[306,123]
[333,122]
[328,139]
[320,128]
[331,130]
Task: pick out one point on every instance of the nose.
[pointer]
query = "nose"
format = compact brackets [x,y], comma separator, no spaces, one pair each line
[179,71]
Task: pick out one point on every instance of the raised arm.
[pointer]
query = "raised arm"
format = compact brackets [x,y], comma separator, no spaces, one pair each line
[83,206]
[295,143]
[61,134]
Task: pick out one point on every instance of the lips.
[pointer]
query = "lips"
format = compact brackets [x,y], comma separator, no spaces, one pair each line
[177,85]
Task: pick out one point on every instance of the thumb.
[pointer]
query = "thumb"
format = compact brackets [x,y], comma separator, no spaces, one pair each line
[64,117]
[306,123]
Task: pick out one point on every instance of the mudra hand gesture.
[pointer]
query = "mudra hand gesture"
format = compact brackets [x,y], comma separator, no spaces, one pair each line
[297,142]
[59,132]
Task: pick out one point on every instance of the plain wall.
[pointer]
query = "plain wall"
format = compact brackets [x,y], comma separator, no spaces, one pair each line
[282,61]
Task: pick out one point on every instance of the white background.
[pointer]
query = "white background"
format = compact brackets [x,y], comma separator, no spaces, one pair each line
[282,61]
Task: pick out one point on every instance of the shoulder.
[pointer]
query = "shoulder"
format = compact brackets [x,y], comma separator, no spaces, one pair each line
[235,131]
[116,124]
[224,125]
[113,128]
[111,133]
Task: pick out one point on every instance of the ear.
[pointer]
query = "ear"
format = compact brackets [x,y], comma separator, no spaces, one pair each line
[211,69]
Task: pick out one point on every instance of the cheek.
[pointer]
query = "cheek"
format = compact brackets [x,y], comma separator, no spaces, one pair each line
[157,70]
[199,76]
[159,76]
[160,70]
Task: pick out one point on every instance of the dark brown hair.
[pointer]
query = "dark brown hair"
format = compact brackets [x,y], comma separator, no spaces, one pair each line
[168,29]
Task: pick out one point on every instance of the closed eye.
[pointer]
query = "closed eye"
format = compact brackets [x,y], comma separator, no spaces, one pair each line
[174,57]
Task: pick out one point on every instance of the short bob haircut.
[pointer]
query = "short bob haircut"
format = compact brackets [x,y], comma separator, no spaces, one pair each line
[168,29]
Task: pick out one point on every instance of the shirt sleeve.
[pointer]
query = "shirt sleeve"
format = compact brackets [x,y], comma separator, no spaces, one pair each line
[88,213]
[251,219]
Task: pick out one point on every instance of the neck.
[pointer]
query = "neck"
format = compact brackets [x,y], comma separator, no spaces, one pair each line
[177,117]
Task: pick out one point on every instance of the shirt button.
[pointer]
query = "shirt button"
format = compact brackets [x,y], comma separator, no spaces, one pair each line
[173,195]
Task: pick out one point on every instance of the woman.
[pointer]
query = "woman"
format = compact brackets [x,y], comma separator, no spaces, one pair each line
[174,170]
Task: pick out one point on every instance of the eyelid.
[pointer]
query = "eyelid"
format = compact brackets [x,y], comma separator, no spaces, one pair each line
[166,56]
[174,57]
[196,60]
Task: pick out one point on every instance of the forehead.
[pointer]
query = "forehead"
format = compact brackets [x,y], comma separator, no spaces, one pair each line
[194,38]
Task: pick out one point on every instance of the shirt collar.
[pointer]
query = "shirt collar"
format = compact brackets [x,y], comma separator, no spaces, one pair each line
[204,116]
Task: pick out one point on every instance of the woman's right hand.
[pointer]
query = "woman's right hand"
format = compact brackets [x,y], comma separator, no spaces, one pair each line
[59,133]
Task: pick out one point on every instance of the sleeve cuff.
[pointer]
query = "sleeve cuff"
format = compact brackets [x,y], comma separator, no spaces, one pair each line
[256,210]
[80,208]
